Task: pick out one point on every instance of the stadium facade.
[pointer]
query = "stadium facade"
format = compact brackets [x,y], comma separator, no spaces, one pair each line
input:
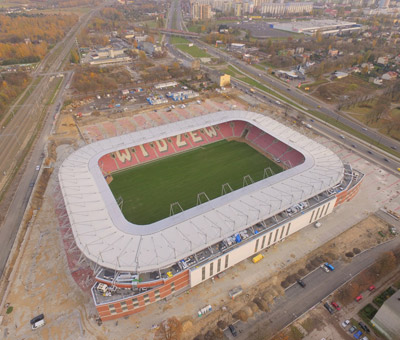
[142,264]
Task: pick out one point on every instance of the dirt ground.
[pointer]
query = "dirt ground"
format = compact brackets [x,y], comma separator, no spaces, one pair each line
[43,284]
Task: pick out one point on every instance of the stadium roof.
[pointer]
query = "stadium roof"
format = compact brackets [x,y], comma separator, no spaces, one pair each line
[105,237]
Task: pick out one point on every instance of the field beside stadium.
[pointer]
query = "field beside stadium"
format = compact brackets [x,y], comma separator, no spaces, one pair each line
[148,190]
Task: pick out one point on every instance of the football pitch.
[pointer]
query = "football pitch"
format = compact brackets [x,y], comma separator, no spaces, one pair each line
[149,189]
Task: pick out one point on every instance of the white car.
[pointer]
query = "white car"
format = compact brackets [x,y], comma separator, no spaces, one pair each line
[345,323]
[324,268]
[37,167]
[341,136]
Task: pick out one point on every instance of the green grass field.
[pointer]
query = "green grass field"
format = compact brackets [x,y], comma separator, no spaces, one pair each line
[183,45]
[148,190]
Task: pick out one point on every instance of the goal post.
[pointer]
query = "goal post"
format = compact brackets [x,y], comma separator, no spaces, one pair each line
[268,172]
[173,206]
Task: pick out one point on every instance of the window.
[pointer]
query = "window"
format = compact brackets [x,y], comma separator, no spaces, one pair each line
[124,306]
[283,229]
[157,295]
[226,261]
[312,215]
[146,299]
[211,268]
[322,210]
[203,273]
[276,235]
[256,247]
[327,207]
[288,228]
[135,303]
[173,287]
[263,242]
[112,309]
[270,238]
[316,215]
[219,266]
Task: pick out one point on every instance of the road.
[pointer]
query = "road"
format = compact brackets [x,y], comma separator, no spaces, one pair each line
[25,124]
[296,95]
[319,284]
[292,93]
[366,150]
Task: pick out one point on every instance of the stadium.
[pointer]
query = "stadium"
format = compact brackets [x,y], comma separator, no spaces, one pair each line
[161,210]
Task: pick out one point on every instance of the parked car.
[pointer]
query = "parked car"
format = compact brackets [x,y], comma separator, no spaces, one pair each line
[233,330]
[371,288]
[352,329]
[324,268]
[301,283]
[329,308]
[364,326]
[359,298]
[370,152]
[37,167]
[345,323]
[358,334]
[334,304]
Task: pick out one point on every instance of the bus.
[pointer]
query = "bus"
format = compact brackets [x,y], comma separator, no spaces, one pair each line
[329,266]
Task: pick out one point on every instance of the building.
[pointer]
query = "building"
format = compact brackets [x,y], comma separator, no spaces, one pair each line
[325,27]
[220,79]
[286,8]
[140,265]
[387,319]
[201,11]
[391,75]
[384,3]
[383,60]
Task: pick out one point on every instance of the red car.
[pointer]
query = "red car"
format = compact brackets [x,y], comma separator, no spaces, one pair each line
[358,298]
[334,304]
[371,288]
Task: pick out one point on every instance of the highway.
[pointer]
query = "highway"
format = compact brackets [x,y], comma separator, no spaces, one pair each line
[298,300]
[27,122]
[366,150]
[296,95]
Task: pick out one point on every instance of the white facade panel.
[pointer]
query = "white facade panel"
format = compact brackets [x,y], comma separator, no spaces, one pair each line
[248,249]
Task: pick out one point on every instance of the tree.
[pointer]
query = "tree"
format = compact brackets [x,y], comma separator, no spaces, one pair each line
[170,329]
[142,55]
[74,57]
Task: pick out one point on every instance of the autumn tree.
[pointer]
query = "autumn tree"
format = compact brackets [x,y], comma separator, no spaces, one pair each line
[171,329]
[381,107]
[74,57]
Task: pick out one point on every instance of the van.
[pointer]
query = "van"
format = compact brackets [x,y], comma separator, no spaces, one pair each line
[257,258]
[38,324]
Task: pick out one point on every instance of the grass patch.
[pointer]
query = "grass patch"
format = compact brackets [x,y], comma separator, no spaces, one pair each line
[194,51]
[295,333]
[241,76]
[353,132]
[368,312]
[9,310]
[178,40]
[183,45]
[148,190]
[310,324]
[381,298]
